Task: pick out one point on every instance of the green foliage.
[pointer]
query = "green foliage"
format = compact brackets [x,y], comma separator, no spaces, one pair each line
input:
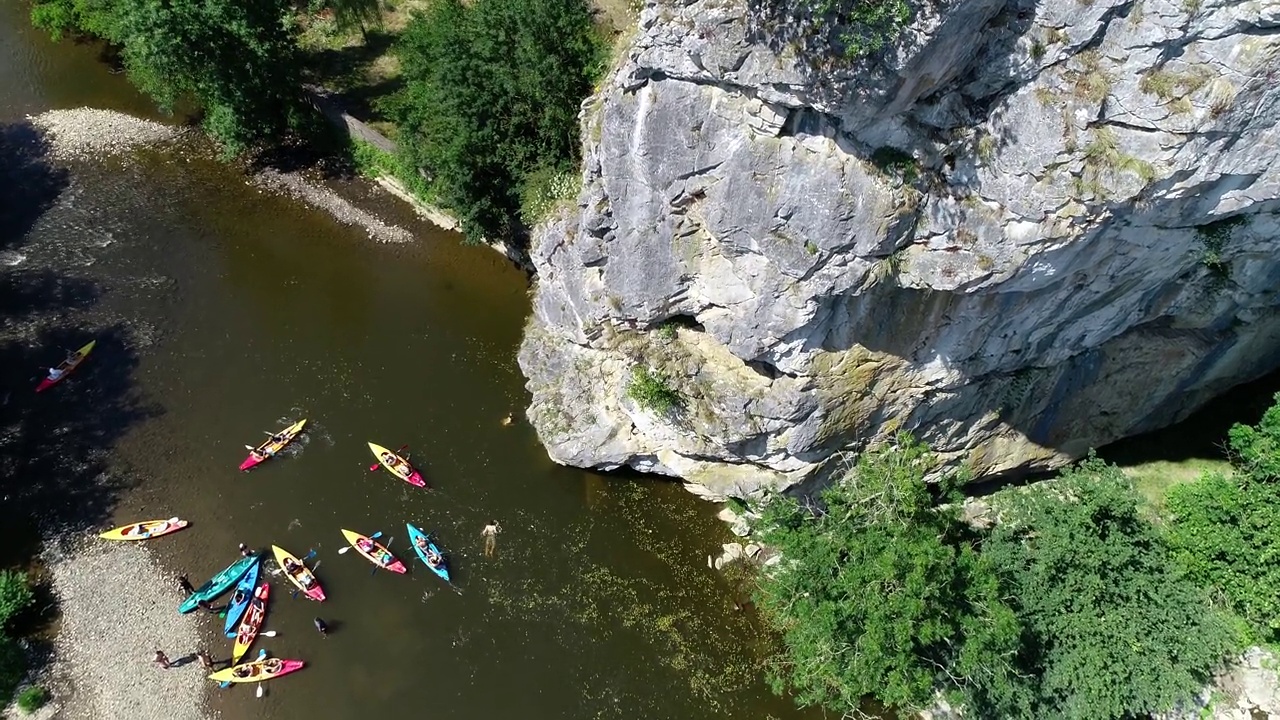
[651,390]
[855,29]
[881,594]
[373,162]
[1213,238]
[543,189]
[895,162]
[13,667]
[491,99]
[1227,529]
[15,595]
[237,59]
[32,699]
[1113,627]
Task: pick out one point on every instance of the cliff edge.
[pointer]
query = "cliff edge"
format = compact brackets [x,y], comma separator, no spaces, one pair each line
[1023,230]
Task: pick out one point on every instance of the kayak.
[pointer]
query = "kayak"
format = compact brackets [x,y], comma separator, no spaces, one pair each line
[251,624]
[414,534]
[66,366]
[384,559]
[145,529]
[273,445]
[315,592]
[257,671]
[236,608]
[219,583]
[399,467]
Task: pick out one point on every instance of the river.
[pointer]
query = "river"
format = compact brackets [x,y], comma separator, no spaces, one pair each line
[225,311]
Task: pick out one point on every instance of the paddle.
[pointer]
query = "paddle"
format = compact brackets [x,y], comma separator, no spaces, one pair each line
[343,550]
[399,450]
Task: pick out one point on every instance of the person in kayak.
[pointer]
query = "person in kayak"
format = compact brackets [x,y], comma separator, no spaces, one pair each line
[245,671]
[291,566]
[55,374]
[238,597]
[185,584]
[273,666]
[365,545]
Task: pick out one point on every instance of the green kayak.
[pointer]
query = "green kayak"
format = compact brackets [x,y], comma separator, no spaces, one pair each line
[219,583]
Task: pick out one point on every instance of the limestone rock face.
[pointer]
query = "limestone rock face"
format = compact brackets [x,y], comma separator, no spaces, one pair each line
[1026,229]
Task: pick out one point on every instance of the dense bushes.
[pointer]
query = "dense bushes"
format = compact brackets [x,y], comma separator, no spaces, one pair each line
[490,104]
[1227,529]
[15,596]
[237,59]
[1073,605]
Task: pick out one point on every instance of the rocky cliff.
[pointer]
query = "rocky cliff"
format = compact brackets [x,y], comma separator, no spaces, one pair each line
[1024,230]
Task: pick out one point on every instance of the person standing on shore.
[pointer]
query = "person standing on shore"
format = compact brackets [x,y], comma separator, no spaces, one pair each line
[205,661]
[185,584]
[490,535]
[162,660]
[245,550]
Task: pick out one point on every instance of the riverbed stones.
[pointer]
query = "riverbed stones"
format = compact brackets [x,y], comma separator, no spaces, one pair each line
[1024,232]
[93,133]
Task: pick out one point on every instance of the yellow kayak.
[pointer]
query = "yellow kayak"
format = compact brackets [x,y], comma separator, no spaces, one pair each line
[303,578]
[257,671]
[397,465]
[273,445]
[145,529]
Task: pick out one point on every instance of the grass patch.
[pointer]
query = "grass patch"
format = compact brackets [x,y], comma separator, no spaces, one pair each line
[652,391]
[373,162]
[1103,161]
[32,699]
[1174,87]
[1153,479]
[543,190]
[1090,81]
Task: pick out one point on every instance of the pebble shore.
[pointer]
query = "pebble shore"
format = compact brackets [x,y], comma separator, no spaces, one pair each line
[118,607]
[88,132]
[321,198]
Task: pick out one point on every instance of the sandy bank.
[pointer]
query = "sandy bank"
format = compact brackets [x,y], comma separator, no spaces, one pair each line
[87,132]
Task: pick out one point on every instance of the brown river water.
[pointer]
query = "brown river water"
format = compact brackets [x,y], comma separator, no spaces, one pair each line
[223,311]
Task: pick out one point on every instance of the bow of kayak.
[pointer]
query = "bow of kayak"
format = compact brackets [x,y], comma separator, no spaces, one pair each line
[392,564]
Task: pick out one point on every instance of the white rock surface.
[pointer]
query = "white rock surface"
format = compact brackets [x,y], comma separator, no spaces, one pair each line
[1052,282]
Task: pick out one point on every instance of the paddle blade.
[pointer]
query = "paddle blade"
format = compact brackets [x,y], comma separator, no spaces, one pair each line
[261,690]
[269,633]
[316,567]
[373,467]
[224,684]
[250,447]
[343,550]
[376,535]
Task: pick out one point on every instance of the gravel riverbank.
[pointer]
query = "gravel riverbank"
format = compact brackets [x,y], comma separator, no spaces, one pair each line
[117,605]
[89,132]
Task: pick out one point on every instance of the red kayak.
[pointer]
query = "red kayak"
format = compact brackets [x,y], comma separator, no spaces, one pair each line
[65,367]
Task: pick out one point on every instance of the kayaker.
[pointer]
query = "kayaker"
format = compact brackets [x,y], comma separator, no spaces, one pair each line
[291,566]
[322,627]
[434,559]
[365,545]
[162,660]
[490,535]
[238,597]
[273,665]
[55,374]
[421,542]
[390,460]
[185,584]
[244,671]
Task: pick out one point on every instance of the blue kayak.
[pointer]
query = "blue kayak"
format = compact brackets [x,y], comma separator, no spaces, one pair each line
[414,534]
[240,600]
[219,583]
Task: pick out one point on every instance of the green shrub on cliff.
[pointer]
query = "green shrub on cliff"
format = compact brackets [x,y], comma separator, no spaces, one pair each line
[1112,626]
[236,59]
[1227,529]
[881,593]
[15,595]
[492,89]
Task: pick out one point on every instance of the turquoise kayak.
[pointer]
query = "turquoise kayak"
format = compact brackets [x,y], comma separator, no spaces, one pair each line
[240,600]
[219,583]
[443,569]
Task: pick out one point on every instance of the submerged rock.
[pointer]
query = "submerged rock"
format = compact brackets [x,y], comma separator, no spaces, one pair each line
[1027,230]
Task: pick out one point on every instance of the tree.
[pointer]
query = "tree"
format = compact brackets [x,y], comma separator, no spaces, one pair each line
[1114,627]
[237,59]
[1226,530]
[881,594]
[492,89]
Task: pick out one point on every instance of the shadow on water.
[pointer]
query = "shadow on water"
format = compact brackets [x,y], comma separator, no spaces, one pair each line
[53,445]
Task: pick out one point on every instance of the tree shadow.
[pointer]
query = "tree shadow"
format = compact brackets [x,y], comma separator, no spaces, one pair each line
[30,184]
